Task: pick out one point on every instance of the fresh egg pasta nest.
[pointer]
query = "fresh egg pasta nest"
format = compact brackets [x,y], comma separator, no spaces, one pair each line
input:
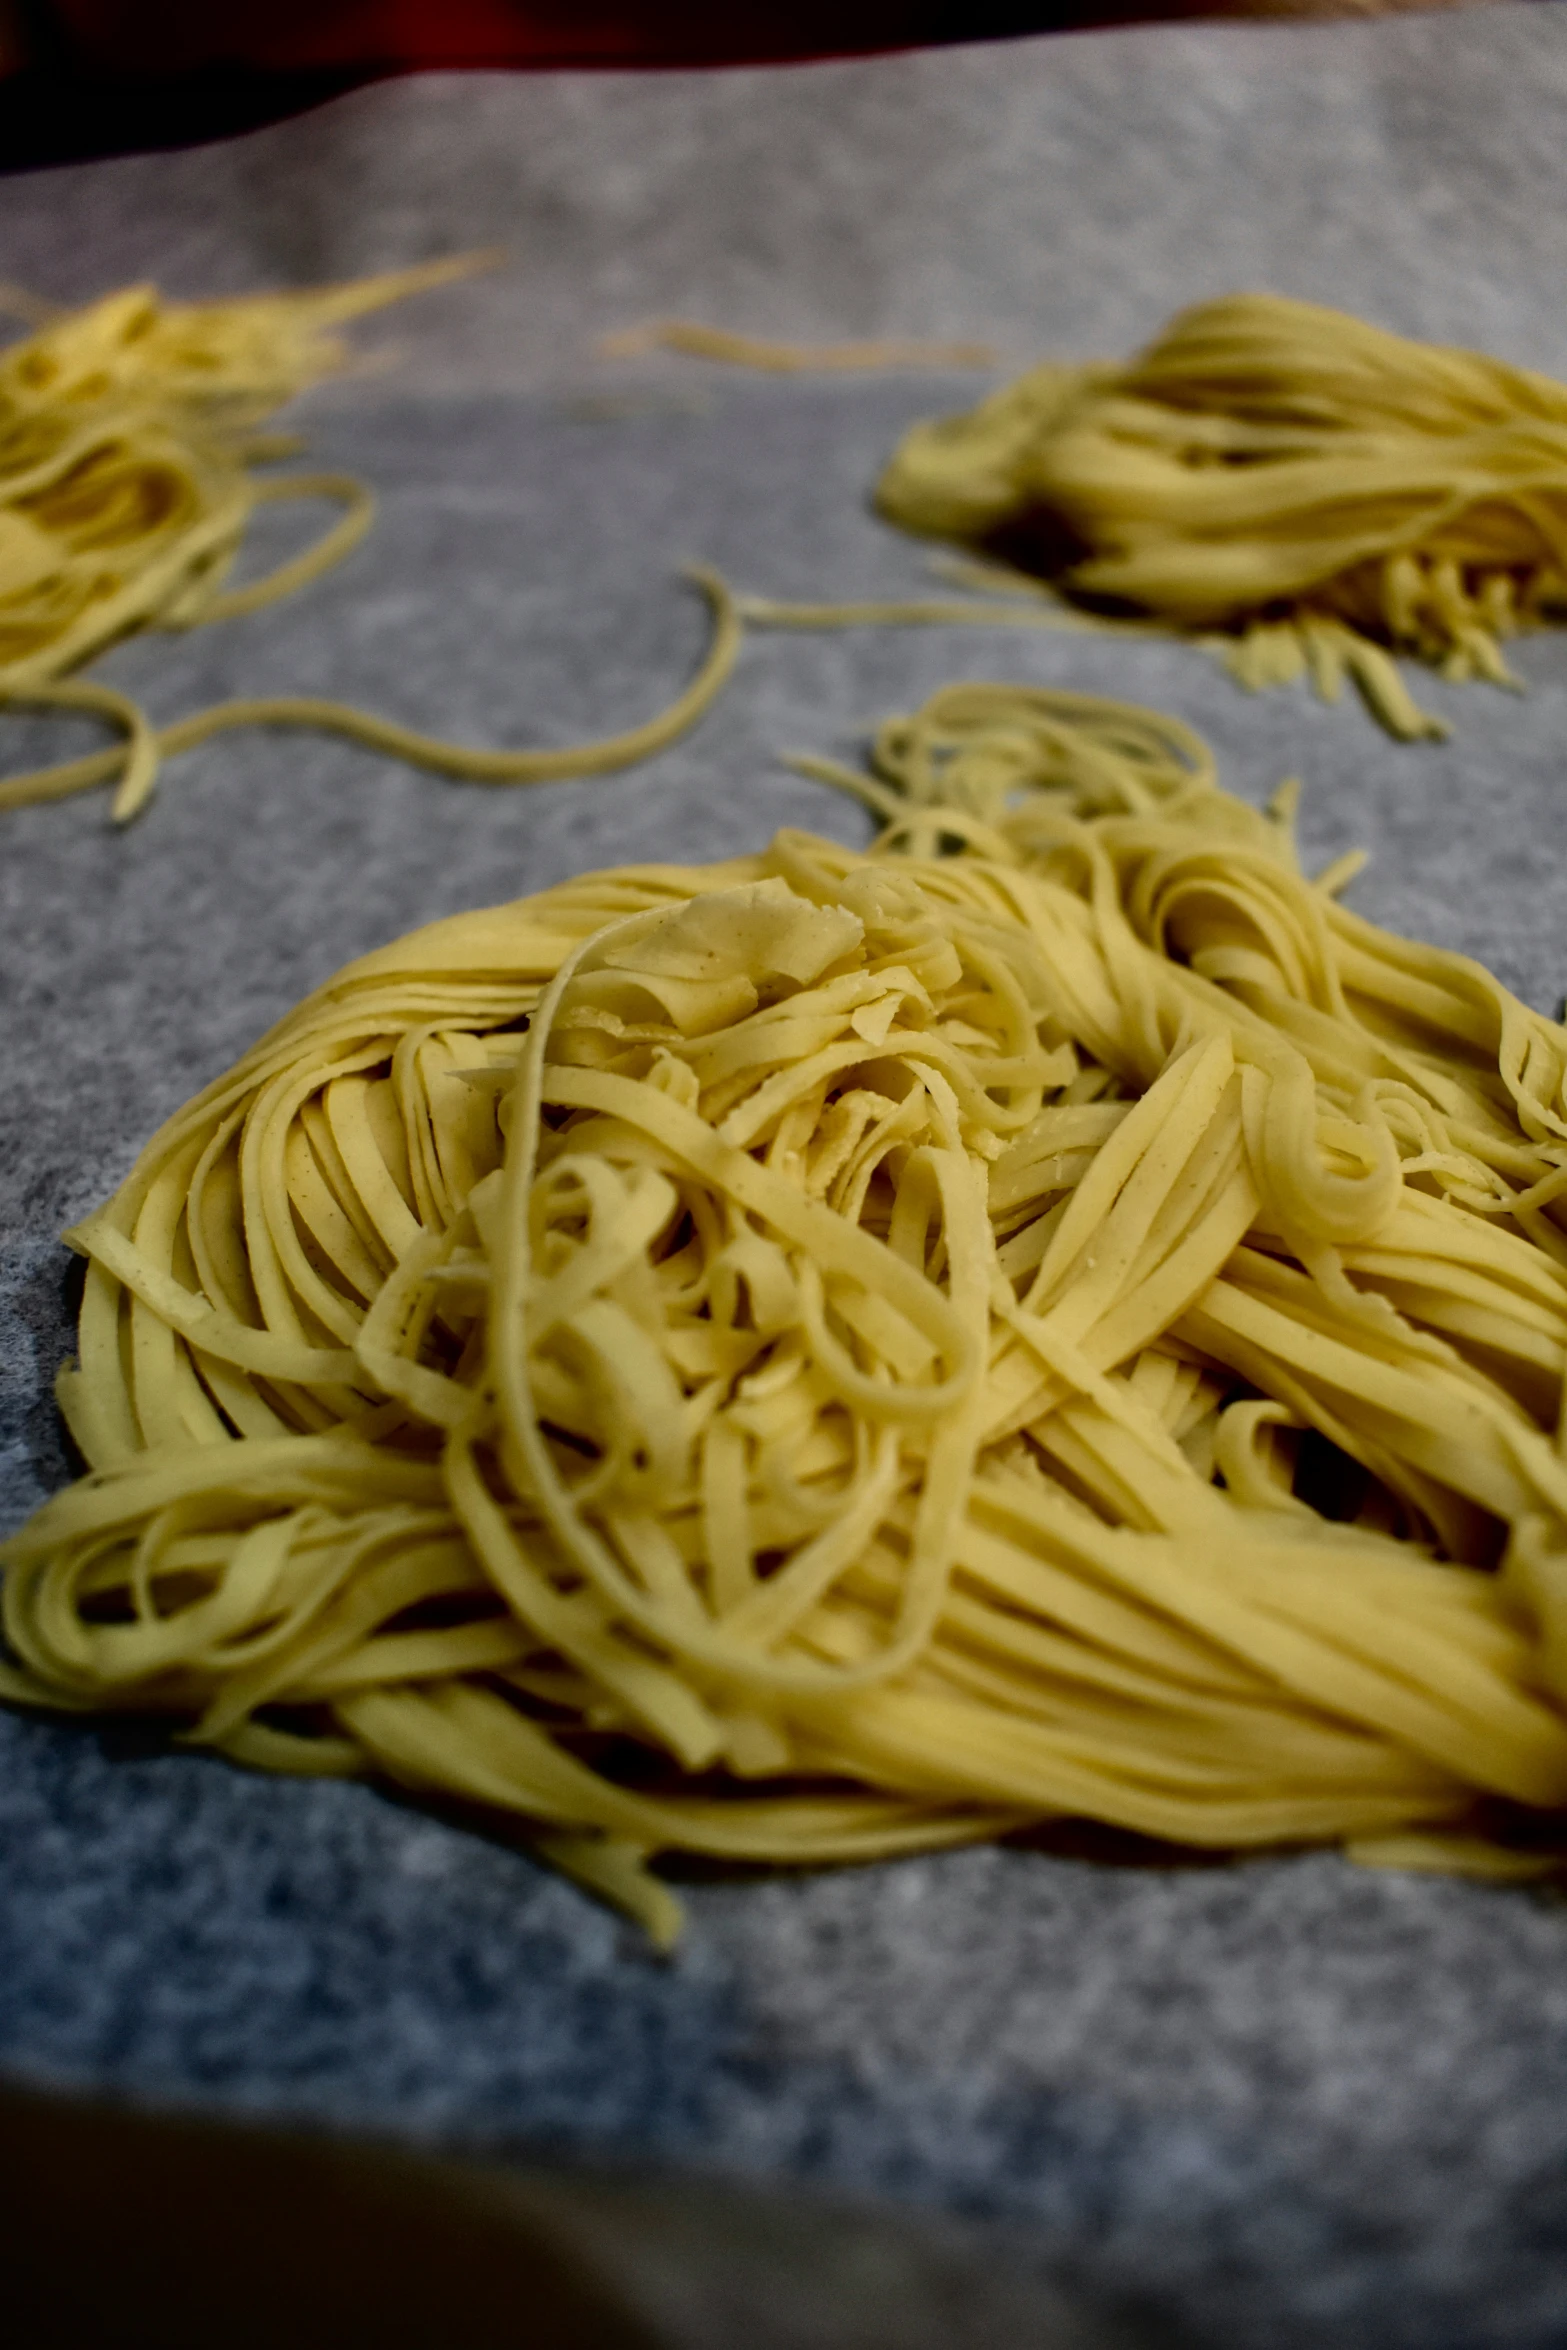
[834,1354]
[127,448]
[1316,487]
[127,485]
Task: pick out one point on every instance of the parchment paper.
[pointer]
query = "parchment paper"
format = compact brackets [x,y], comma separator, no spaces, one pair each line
[1290,2101]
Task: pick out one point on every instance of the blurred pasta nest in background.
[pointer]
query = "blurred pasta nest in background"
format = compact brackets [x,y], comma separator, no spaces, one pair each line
[835,1354]
[127,472]
[127,484]
[126,456]
[1315,487]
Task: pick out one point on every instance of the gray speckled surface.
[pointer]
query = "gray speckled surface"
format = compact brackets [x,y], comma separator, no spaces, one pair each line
[1057,194]
[1296,2103]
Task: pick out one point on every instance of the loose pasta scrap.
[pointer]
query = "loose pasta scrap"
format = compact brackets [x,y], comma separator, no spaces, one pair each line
[768,356]
[839,1354]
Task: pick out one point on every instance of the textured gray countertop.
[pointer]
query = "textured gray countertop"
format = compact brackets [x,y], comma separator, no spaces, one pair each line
[1293,2102]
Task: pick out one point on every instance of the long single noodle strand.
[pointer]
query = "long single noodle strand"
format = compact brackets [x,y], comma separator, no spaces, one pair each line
[770,357]
[135,762]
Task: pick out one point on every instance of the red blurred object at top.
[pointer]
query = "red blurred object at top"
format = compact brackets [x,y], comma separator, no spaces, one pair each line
[288,36]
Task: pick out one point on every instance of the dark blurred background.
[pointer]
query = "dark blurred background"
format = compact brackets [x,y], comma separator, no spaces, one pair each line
[101,77]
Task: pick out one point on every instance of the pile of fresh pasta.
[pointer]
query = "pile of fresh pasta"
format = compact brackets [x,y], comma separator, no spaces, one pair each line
[836,1354]
[1320,492]
[129,480]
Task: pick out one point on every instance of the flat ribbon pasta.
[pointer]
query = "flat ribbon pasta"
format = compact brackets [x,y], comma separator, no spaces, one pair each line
[838,1354]
[128,449]
[1318,490]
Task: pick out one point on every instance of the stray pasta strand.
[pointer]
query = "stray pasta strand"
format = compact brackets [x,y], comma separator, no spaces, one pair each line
[134,763]
[770,357]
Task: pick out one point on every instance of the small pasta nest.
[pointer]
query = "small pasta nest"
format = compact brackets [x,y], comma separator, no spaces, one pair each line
[127,447]
[836,1354]
[127,484]
[1317,489]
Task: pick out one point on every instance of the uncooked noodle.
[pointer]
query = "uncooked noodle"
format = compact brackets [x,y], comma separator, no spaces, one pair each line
[769,356]
[837,1354]
[128,449]
[1320,491]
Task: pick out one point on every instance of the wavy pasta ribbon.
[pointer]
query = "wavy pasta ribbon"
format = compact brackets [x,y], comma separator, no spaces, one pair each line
[128,451]
[1319,491]
[838,1354]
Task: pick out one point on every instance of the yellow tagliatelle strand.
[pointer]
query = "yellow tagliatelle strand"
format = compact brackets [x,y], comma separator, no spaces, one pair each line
[1319,491]
[127,445]
[770,357]
[135,761]
[837,1354]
